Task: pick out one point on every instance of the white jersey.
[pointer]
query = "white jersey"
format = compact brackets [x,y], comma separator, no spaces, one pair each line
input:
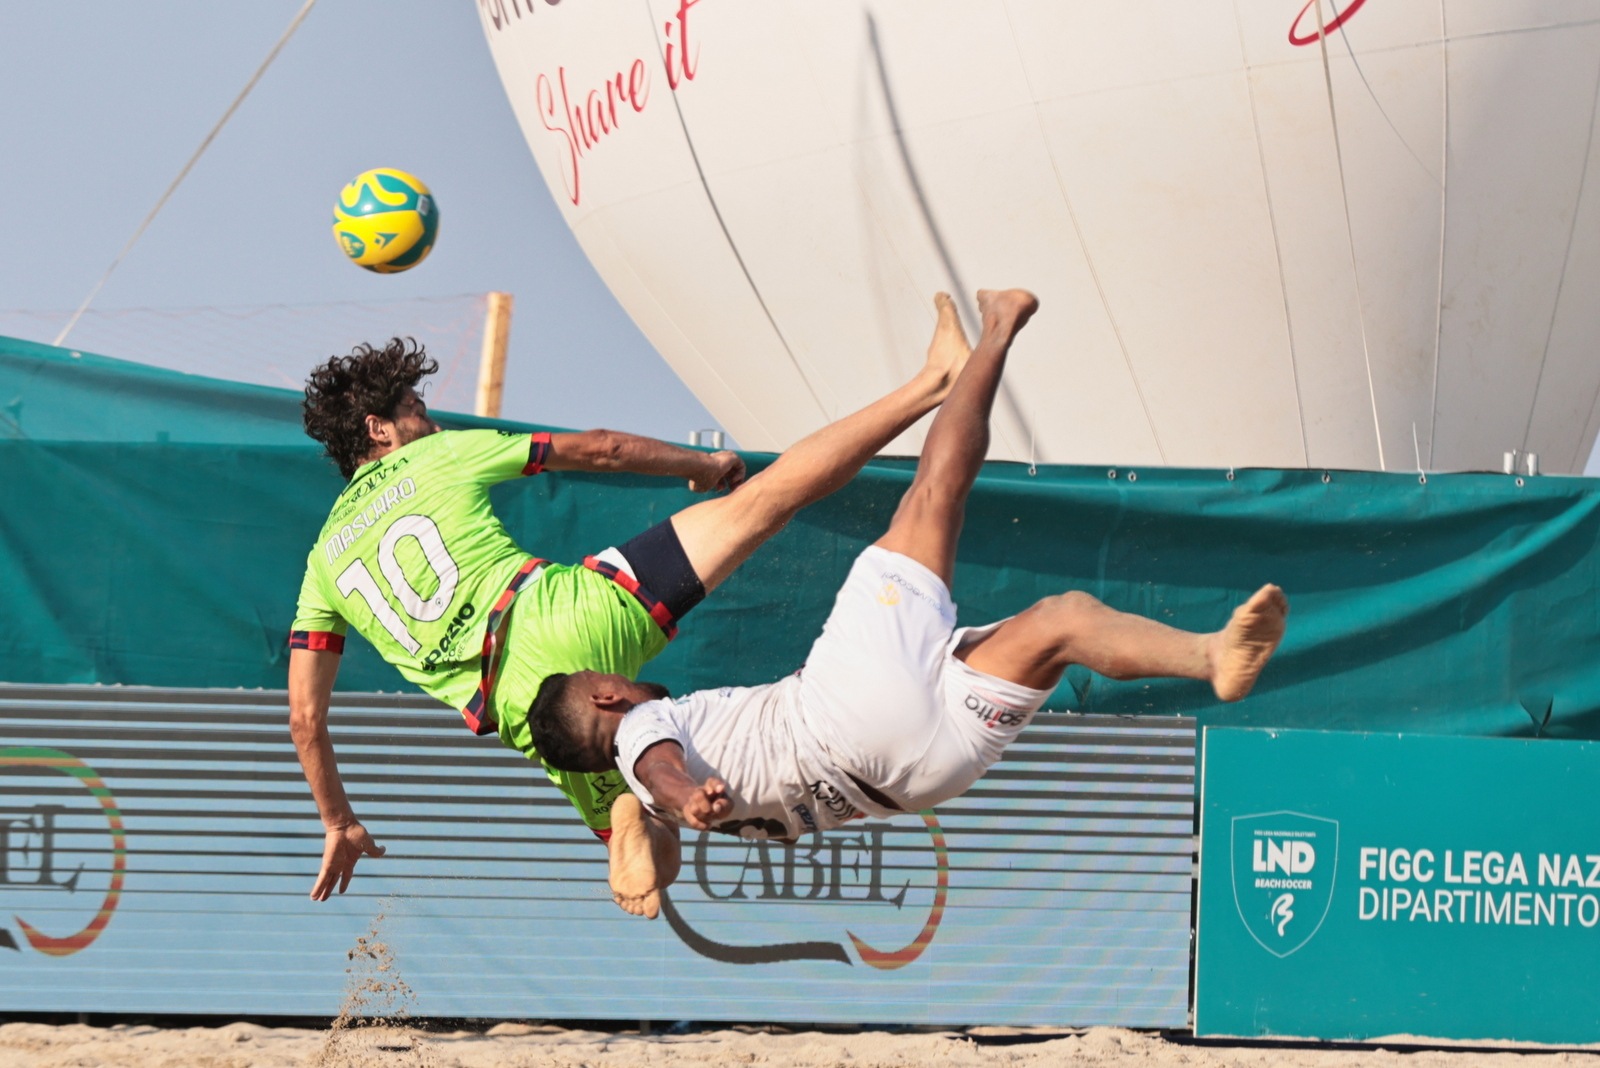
[883,701]
[780,780]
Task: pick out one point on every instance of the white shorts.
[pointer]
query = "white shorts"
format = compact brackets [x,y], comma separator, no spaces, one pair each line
[885,696]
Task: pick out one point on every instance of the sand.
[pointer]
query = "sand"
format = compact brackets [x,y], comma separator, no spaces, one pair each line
[509,1045]
[374,1028]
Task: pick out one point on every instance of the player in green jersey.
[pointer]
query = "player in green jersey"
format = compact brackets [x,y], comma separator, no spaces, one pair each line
[414,558]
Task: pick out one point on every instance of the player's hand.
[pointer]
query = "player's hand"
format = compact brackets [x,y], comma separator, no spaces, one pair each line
[341,848]
[724,470]
[708,802]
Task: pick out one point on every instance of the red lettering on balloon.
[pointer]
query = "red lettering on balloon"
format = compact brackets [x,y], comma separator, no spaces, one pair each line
[547,110]
[638,85]
[599,112]
[685,65]
[1339,19]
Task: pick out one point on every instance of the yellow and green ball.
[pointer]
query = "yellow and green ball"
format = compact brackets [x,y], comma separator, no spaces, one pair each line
[386,220]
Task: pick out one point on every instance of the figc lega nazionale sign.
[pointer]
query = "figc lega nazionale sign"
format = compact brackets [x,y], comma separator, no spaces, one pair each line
[1359,885]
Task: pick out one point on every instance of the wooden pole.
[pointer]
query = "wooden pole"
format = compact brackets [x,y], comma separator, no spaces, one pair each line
[492,363]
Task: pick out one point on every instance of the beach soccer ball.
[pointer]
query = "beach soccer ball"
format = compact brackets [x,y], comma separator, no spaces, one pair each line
[385,220]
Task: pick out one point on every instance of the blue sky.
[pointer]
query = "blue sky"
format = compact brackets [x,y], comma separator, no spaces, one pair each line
[104,103]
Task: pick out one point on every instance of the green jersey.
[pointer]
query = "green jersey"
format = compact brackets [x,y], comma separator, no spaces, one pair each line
[413,557]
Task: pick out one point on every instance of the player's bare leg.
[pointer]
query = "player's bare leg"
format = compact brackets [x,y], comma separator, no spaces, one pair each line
[927,525]
[718,535]
[1035,647]
[949,350]
[643,857]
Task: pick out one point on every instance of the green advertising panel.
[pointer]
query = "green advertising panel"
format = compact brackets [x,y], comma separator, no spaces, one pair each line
[154,530]
[1358,885]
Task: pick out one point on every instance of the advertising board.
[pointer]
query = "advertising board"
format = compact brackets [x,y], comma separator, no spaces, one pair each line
[1357,885]
[157,848]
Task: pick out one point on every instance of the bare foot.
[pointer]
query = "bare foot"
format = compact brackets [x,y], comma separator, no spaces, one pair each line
[948,351]
[1240,650]
[1006,310]
[631,860]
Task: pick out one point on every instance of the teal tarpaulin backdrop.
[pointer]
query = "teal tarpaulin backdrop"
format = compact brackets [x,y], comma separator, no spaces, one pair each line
[153,528]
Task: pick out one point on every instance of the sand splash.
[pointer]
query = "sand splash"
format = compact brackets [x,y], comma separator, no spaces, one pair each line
[373,1023]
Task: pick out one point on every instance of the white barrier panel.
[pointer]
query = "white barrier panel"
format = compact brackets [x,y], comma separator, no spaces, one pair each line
[157,848]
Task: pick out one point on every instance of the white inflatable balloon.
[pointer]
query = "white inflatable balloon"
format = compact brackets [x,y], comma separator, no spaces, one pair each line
[1255,242]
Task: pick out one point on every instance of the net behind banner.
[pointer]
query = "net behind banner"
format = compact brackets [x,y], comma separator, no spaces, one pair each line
[278,344]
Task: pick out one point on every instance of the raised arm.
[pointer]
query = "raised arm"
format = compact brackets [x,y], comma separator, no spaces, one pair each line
[608,451]
[311,676]
[694,804]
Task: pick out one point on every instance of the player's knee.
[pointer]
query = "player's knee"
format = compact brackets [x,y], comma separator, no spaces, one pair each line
[762,505]
[1072,609]
[761,516]
[738,522]
[1068,619]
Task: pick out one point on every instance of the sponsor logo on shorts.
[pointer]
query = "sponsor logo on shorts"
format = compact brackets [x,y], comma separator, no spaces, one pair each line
[893,579]
[991,713]
[829,797]
[606,787]
[51,853]
[754,828]
[803,812]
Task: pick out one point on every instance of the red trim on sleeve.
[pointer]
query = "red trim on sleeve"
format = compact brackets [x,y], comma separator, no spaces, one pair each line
[538,451]
[325,641]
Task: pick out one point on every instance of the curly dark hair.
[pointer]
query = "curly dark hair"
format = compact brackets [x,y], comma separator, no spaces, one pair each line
[341,393]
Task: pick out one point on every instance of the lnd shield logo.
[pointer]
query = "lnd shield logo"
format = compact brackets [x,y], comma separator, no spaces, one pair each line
[1284,865]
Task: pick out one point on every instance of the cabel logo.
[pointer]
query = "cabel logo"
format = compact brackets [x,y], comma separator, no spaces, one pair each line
[48,850]
[853,882]
[1283,874]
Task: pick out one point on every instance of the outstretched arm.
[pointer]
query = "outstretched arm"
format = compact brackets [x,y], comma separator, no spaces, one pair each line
[607,451]
[695,804]
[311,677]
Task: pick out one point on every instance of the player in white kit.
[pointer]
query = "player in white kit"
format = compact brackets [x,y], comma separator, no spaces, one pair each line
[896,710]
